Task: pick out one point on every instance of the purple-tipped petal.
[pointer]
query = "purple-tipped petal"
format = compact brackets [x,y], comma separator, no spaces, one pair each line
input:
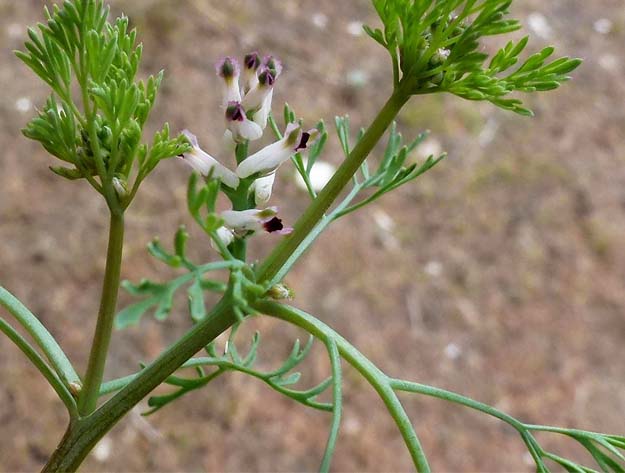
[273,64]
[228,68]
[252,61]
[235,112]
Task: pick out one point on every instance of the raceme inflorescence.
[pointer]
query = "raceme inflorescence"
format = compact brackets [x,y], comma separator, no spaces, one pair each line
[94,122]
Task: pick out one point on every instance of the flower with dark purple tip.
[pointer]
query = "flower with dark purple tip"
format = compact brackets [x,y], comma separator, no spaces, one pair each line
[241,222]
[242,128]
[228,69]
[250,71]
[267,76]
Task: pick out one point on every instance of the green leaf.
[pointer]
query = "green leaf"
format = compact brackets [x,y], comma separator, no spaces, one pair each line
[197,307]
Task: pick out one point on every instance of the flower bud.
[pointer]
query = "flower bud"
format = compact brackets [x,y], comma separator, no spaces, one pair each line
[281,292]
[250,72]
[228,69]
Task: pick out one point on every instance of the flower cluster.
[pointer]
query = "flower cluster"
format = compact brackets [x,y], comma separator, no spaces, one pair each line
[247,101]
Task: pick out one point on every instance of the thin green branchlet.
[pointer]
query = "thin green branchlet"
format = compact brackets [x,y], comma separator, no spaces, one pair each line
[434,47]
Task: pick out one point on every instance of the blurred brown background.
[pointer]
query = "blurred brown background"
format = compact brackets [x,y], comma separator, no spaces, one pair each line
[499,274]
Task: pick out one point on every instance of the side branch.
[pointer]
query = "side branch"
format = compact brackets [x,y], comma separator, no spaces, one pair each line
[378,380]
[44,340]
[42,366]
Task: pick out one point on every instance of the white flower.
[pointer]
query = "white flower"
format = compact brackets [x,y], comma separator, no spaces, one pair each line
[228,69]
[268,159]
[262,187]
[250,72]
[242,128]
[241,222]
[205,164]
[261,117]
[267,76]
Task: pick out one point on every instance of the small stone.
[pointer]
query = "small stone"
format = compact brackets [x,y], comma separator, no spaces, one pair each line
[23,105]
[540,25]
[102,451]
[453,351]
[603,26]
[358,78]
[320,20]
[434,269]
[355,28]
[609,62]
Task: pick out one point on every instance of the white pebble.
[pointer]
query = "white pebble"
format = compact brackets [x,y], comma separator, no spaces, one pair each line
[355,28]
[488,133]
[384,221]
[453,351]
[609,62]
[540,25]
[352,425]
[102,451]
[358,78]
[603,26]
[434,269]
[320,20]
[23,104]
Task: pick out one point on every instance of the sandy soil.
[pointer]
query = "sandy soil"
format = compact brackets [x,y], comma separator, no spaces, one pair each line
[500,274]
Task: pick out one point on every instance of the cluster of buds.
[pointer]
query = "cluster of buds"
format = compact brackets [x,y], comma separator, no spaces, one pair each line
[247,101]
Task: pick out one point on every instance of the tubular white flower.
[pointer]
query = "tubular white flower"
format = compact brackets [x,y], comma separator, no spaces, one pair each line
[240,126]
[250,72]
[228,69]
[263,187]
[261,117]
[268,159]
[241,222]
[204,163]
[267,76]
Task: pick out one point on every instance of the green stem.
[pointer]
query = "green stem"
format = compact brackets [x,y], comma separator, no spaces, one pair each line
[83,435]
[520,427]
[337,407]
[315,212]
[54,353]
[42,366]
[380,382]
[106,317]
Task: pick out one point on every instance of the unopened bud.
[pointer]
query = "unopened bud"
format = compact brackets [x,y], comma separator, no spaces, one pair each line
[281,292]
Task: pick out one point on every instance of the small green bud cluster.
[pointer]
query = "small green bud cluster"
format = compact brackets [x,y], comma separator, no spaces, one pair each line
[99,132]
[435,47]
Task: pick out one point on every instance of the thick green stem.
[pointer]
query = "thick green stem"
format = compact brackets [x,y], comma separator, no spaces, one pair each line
[315,212]
[83,435]
[106,316]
